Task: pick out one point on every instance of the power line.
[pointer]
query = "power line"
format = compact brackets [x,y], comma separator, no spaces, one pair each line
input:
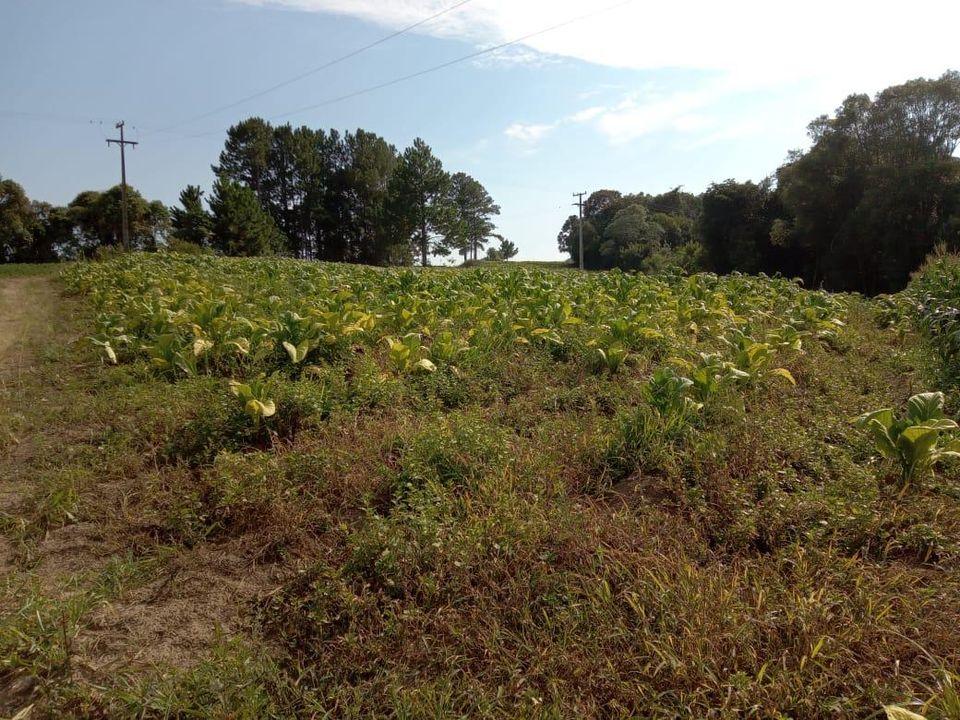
[50,117]
[315,70]
[456,61]
[435,68]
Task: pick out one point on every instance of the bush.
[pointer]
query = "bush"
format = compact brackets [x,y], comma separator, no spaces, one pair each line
[185,247]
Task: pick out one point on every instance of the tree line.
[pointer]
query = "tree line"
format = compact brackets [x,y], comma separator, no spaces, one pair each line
[349,197]
[36,231]
[878,189]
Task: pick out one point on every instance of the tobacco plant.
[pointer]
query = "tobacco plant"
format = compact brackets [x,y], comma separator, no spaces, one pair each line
[915,439]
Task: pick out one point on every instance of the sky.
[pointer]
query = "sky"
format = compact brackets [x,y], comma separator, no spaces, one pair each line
[628,95]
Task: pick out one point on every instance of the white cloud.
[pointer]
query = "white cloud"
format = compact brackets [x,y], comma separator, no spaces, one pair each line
[515,55]
[736,130]
[587,114]
[651,110]
[828,48]
[528,133]
[532,133]
[852,38]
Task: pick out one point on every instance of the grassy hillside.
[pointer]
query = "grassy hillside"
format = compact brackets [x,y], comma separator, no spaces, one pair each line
[270,488]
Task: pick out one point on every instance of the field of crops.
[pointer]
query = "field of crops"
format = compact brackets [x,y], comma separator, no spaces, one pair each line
[342,491]
[248,320]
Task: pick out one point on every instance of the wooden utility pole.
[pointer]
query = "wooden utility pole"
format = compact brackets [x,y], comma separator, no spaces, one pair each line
[579,204]
[123,182]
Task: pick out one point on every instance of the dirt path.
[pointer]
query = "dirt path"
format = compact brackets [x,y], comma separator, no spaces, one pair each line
[27,310]
[27,307]
[171,611]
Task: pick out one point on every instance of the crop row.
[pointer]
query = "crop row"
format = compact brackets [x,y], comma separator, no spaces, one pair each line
[229,316]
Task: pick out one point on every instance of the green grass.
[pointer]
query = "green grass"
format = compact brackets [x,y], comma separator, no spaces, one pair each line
[29,269]
[522,532]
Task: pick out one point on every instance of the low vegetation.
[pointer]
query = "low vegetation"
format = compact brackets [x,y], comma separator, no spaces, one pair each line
[273,488]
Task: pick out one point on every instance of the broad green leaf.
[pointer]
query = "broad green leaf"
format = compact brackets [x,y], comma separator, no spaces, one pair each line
[881,439]
[916,442]
[241,390]
[940,424]
[883,416]
[925,406]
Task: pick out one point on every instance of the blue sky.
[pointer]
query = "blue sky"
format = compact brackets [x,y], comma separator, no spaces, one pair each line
[642,96]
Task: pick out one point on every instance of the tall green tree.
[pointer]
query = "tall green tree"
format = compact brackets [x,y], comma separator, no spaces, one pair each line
[568,241]
[311,226]
[471,209]
[650,230]
[631,239]
[55,233]
[98,219]
[349,197]
[191,222]
[240,225]
[363,186]
[504,251]
[419,206]
[735,225]
[18,224]
[245,158]
[878,187]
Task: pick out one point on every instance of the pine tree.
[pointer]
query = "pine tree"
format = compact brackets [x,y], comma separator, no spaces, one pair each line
[471,207]
[418,200]
[191,223]
[240,225]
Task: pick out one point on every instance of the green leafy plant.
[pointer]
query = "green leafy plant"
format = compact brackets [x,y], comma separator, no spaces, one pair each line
[447,347]
[610,353]
[167,354]
[710,375]
[106,348]
[669,393]
[912,438]
[409,354]
[754,358]
[253,395]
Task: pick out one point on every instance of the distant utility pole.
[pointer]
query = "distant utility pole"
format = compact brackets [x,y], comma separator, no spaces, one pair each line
[579,204]
[123,182]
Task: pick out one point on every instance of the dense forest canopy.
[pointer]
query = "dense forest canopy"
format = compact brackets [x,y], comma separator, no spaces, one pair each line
[878,189]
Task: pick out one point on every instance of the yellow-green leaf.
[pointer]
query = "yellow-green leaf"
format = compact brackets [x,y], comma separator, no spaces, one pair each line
[785,374]
[898,713]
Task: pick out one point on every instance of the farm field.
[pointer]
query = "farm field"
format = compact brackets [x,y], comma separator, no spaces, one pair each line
[272,488]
